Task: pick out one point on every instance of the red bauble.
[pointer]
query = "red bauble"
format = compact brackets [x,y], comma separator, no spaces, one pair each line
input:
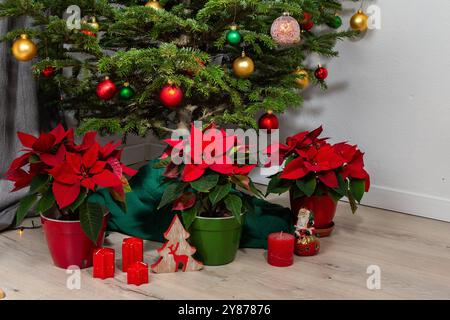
[106,89]
[171,96]
[306,17]
[307,25]
[321,73]
[88,33]
[268,121]
[48,71]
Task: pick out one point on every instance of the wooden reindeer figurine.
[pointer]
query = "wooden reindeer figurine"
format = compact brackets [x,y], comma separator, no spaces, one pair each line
[176,251]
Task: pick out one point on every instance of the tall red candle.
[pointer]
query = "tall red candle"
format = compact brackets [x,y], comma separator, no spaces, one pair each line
[137,273]
[280,249]
[104,263]
[132,251]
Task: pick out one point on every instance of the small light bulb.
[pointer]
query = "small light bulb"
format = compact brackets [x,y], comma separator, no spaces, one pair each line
[20,232]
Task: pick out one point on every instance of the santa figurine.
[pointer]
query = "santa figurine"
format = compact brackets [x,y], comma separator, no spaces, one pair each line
[307,243]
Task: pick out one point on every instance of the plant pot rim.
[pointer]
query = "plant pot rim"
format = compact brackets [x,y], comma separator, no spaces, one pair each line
[217,218]
[66,221]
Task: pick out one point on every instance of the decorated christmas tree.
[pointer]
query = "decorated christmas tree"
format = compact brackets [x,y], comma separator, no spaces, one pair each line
[132,66]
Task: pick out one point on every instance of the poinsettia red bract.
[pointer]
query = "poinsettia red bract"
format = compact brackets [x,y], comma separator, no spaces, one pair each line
[309,158]
[71,166]
[211,153]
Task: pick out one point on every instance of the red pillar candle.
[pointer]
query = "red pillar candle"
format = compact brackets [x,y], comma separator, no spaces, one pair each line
[137,273]
[104,263]
[132,251]
[280,249]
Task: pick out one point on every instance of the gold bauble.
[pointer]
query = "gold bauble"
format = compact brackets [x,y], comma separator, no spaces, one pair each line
[303,82]
[243,66]
[359,21]
[154,4]
[94,24]
[24,49]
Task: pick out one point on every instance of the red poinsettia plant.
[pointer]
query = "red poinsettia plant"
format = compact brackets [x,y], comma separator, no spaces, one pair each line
[62,175]
[204,183]
[312,166]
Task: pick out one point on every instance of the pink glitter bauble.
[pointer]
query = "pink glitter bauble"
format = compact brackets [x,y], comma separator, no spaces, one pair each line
[285,30]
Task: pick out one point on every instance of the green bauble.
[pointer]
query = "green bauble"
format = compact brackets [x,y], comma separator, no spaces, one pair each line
[126,92]
[335,22]
[233,37]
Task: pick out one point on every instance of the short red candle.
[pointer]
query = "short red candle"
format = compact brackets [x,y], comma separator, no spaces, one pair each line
[280,249]
[104,263]
[137,273]
[132,251]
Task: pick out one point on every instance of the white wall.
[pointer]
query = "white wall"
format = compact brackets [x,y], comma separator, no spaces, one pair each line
[390,94]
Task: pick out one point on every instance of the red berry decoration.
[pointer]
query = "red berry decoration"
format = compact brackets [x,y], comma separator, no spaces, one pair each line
[306,17]
[268,121]
[307,26]
[321,73]
[171,95]
[106,89]
[48,71]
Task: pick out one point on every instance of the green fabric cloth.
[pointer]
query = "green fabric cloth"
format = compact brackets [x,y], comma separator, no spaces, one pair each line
[143,220]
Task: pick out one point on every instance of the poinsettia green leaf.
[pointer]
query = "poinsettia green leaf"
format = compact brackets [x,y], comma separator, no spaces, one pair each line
[297,193]
[258,193]
[205,183]
[277,185]
[248,203]
[289,159]
[307,184]
[25,205]
[219,192]
[91,219]
[46,202]
[189,215]
[184,202]
[352,202]
[127,188]
[39,183]
[233,203]
[78,201]
[34,159]
[172,192]
[335,195]
[162,163]
[357,188]
[343,185]
[241,181]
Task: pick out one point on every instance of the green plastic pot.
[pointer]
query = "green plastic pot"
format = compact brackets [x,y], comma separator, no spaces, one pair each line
[216,239]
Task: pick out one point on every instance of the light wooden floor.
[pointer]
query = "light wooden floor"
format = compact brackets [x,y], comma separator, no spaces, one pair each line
[413,255]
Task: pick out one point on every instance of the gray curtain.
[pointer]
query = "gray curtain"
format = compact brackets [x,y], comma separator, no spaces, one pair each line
[18,112]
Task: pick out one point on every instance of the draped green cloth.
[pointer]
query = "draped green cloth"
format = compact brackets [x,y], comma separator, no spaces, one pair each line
[143,220]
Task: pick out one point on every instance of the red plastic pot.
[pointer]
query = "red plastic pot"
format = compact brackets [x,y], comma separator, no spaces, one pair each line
[323,207]
[67,243]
